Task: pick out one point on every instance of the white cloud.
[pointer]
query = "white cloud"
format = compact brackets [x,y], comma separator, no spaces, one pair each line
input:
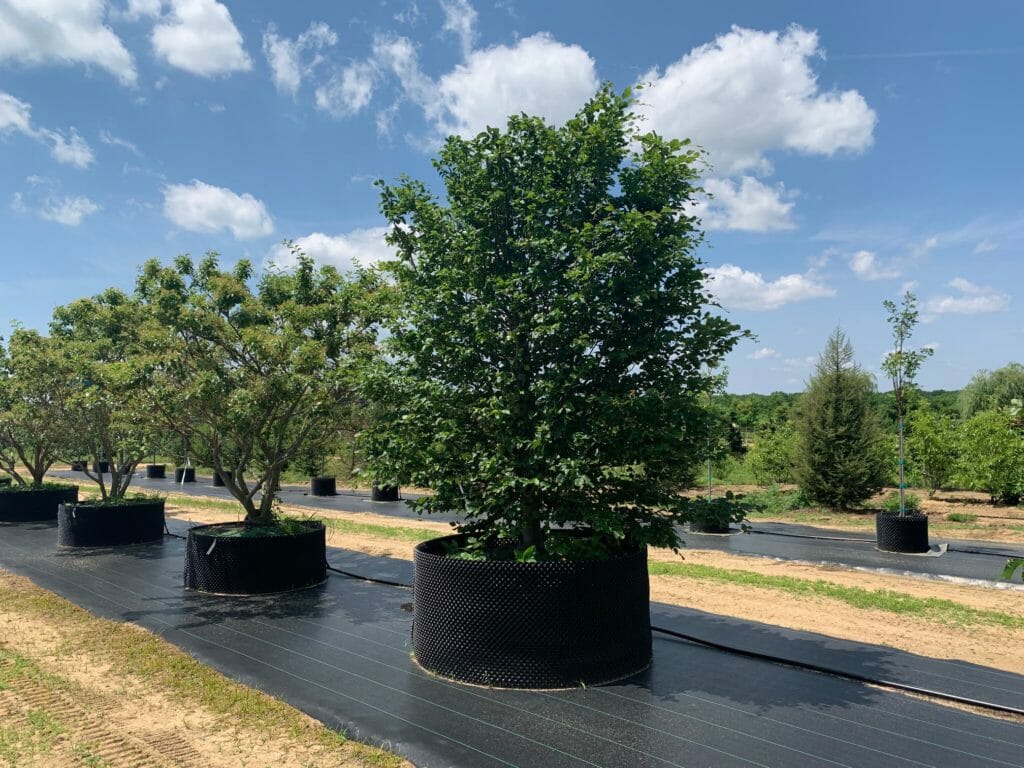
[972,300]
[866,266]
[921,249]
[70,151]
[985,246]
[751,92]
[16,116]
[537,75]
[115,141]
[398,55]
[200,207]
[69,211]
[349,91]
[736,288]
[764,353]
[460,20]
[138,9]
[37,32]
[198,36]
[749,206]
[360,246]
[286,57]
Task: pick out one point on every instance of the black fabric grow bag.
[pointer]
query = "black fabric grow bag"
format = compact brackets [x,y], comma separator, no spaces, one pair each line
[110,525]
[156,471]
[20,506]
[907,534]
[101,467]
[251,565]
[530,625]
[707,526]
[323,486]
[78,466]
[189,473]
[218,479]
[384,493]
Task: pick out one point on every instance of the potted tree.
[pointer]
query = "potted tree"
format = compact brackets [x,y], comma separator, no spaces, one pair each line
[32,397]
[904,530]
[98,340]
[547,345]
[249,376]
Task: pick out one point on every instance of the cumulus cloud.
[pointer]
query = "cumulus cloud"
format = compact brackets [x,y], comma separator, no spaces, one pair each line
[460,20]
[199,36]
[538,75]
[348,91]
[33,33]
[748,206]
[736,288]
[16,117]
[750,92]
[291,61]
[69,211]
[971,299]
[201,207]
[360,246]
[865,265]
[764,353]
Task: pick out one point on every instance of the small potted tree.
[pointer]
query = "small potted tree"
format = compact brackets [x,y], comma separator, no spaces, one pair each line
[248,377]
[33,392]
[98,339]
[904,530]
[546,382]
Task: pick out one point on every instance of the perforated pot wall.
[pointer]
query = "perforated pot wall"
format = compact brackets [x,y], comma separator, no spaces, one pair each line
[189,473]
[101,467]
[901,534]
[384,493]
[251,565]
[530,625]
[156,471]
[323,486]
[703,526]
[103,525]
[34,505]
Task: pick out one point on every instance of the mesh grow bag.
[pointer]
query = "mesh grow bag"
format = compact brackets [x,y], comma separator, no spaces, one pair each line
[323,486]
[189,473]
[384,493]
[251,565]
[110,525]
[36,504]
[156,471]
[218,478]
[530,625]
[101,467]
[907,534]
[707,526]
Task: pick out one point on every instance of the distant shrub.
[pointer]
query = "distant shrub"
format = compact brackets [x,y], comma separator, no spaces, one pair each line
[892,502]
[961,517]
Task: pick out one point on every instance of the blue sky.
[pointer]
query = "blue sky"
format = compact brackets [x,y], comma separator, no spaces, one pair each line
[857,149]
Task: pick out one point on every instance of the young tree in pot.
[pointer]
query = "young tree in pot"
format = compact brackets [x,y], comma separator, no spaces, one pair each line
[33,394]
[99,342]
[548,343]
[904,531]
[250,376]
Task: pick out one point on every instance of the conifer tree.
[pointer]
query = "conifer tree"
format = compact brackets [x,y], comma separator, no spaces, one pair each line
[840,458]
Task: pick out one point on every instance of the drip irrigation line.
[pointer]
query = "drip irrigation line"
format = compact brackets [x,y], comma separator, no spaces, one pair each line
[369,579]
[989,552]
[809,536]
[839,673]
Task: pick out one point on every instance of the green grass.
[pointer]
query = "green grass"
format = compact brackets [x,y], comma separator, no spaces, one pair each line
[928,608]
[961,517]
[415,535]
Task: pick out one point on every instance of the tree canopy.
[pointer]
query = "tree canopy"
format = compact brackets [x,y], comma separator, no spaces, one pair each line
[553,330]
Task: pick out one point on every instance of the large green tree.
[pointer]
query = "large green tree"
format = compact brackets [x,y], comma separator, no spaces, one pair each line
[551,332]
[992,390]
[840,455]
[255,376]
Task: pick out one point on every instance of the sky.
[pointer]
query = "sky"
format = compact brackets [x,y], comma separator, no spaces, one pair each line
[856,150]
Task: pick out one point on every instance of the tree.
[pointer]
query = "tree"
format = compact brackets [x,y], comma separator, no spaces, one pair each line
[991,451]
[901,366]
[992,390]
[932,441]
[840,460]
[253,379]
[771,456]
[34,390]
[551,330]
[98,343]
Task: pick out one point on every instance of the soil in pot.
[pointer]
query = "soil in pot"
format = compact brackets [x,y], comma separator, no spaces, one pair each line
[110,524]
[19,504]
[384,493]
[323,486]
[907,534]
[188,473]
[156,471]
[509,624]
[250,559]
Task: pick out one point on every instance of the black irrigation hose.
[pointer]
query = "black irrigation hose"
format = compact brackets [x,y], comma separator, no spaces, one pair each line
[370,579]
[167,532]
[989,552]
[846,675]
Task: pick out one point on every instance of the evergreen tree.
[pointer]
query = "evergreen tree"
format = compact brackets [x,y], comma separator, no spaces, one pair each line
[840,458]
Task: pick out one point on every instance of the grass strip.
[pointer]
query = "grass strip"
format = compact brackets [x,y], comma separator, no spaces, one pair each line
[174,673]
[415,535]
[927,608]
